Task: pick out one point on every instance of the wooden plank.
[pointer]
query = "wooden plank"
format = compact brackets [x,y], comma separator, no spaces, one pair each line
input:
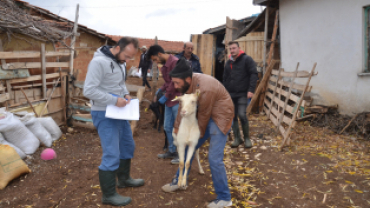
[289,93]
[35,78]
[300,74]
[63,81]
[274,34]
[82,124]
[53,112]
[9,89]
[27,65]
[4,97]
[261,85]
[299,104]
[274,120]
[140,95]
[273,92]
[292,97]
[250,38]
[33,85]
[30,54]
[29,103]
[280,103]
[49,97]
[43,69]
[82,117]
[296,86]
[79,107]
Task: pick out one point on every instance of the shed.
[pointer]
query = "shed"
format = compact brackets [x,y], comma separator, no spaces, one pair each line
[335,34]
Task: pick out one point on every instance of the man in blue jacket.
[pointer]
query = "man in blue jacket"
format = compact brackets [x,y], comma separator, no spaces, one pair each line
[105,85]
[193,60]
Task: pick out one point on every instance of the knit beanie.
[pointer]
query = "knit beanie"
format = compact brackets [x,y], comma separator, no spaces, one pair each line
[182,69]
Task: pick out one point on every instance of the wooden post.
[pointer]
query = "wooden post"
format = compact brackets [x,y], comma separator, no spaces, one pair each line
[63,91]
[273,40]
[265,39]
[3,63]
[155,73]
[75,26]
[261,85]
[139,95]
[43,70]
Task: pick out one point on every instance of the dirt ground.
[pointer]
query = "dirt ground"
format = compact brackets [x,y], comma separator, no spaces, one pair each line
[321,169]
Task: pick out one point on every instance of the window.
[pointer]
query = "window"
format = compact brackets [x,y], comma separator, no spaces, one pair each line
[367,39]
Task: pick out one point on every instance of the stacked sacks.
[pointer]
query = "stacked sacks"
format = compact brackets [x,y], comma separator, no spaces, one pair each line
[35,126]
[49,124]
[16,133]
[19,151]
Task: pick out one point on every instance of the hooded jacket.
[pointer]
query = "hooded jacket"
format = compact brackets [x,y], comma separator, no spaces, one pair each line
[105,78]
[240,75]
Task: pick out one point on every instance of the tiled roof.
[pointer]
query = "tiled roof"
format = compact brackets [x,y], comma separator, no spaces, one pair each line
[168,46]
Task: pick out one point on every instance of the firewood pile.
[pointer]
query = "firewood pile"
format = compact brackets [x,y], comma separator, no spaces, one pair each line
[342,124]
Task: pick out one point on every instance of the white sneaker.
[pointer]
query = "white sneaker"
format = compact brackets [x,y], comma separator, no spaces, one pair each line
[219,204]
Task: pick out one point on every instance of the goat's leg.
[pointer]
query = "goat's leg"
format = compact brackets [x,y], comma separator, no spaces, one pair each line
[189,155]
[181,152]
[201,171]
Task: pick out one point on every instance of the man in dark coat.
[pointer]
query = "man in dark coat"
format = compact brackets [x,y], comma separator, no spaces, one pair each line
[190,57]
[240,77]
[145,65]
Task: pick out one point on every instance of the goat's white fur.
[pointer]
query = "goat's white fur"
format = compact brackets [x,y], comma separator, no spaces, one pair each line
[188,135]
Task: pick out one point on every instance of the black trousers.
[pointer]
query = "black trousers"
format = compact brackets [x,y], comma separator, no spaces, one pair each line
[240,107]
[144,73]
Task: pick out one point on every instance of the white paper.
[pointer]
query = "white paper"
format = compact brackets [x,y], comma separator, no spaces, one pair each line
[129,112]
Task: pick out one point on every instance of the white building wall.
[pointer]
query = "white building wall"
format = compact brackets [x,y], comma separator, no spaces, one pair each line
[331,33]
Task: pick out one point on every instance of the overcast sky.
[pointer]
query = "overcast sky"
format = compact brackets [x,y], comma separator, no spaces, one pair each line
[167,19]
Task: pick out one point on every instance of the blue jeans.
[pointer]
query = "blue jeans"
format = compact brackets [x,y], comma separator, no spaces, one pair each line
[170,114]
[116,140]
[215,158]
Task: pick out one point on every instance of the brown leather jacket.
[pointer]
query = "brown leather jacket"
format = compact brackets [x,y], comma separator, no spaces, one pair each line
[213,102]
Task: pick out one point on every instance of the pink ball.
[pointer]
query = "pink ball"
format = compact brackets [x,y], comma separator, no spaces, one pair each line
[48,154]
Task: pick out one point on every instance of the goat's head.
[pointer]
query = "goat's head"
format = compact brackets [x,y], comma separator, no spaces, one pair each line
[188,103]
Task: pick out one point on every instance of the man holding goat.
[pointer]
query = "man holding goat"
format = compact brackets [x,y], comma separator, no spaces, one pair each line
[215,116]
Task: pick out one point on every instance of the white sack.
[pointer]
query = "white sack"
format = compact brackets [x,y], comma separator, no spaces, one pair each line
[17,133]
[37,129]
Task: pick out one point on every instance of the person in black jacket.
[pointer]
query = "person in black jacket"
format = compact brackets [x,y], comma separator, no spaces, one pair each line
[189,56]
[240,78]
[145,65]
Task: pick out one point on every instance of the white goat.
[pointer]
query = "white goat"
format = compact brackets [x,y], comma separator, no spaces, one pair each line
[188,135]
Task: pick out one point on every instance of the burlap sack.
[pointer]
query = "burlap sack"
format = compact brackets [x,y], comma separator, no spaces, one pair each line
[12,166]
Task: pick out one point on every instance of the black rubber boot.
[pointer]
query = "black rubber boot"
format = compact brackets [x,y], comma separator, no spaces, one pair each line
[237,140]
[108,188]
[123,175]
[247,141]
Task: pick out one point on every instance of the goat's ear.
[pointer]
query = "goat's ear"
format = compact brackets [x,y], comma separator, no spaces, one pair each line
[177,98]
[197,92]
